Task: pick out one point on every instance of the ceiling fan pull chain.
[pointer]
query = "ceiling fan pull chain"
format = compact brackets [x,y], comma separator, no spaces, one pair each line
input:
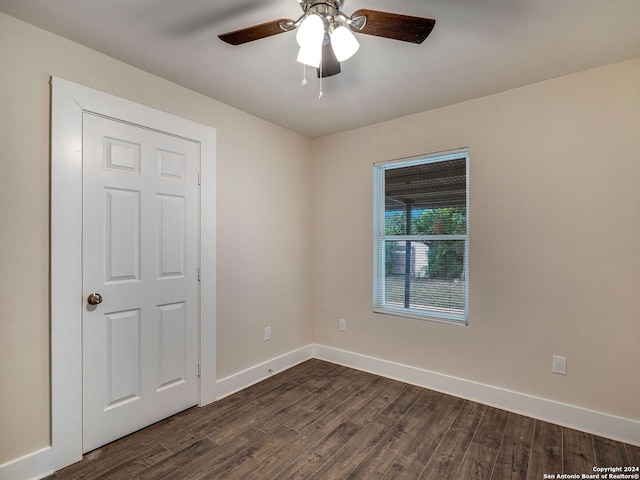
[320,94]
[304,74]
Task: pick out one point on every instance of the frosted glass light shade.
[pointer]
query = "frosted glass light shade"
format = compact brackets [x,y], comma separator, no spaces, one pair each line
[310,55]
[344,43]
[311,31]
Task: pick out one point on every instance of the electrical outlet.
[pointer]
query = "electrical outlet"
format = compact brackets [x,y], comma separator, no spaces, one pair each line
[342,325]
[559,365]
[267,334]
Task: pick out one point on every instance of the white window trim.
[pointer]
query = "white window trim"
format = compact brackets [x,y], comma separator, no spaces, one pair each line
[379,238]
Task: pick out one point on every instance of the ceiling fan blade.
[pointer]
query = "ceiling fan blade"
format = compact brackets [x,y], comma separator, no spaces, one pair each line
[329,65]
[394,25]
[256,32]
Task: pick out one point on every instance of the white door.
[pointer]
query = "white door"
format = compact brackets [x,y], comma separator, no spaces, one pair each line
[141,255]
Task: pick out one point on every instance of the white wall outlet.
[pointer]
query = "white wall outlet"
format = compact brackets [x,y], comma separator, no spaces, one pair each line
[267,334]
[559,365]
[342,325]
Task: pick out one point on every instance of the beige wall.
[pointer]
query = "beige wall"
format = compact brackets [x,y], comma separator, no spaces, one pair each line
[263,259]
[554,228]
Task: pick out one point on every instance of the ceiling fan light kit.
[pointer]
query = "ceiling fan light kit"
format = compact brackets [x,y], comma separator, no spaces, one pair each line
[344,43]
[310,31]
[325,33]
[309,56]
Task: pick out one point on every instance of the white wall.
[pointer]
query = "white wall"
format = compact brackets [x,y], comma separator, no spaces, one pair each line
[554,227]
[263,259]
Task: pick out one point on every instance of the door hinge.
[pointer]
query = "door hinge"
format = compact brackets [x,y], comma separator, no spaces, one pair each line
[198,273]
[199,370]
[199,180]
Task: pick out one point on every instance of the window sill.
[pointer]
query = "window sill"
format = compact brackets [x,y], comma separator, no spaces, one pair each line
[417,315]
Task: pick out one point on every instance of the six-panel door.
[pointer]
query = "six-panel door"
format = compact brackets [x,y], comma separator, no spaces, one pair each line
[141,254]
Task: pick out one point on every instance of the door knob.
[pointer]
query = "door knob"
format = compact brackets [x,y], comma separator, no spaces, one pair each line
[94,299]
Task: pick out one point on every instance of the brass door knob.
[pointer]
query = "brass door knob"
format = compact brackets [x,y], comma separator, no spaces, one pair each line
[94,299]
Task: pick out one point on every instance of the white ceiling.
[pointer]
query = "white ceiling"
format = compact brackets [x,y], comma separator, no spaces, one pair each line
[478,47]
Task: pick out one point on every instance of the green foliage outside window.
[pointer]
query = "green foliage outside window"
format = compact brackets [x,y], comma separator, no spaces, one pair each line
[446,258]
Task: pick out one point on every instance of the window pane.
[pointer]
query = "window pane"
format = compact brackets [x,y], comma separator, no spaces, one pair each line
[426,276]
[428,199]
[436,221]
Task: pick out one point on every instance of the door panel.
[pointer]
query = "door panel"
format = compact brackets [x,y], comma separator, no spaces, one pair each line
[141,253]
[122,235]
[123,360]
[171,247]
[173,325]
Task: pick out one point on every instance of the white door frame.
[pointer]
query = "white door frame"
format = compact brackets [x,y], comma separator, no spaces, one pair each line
[69,101]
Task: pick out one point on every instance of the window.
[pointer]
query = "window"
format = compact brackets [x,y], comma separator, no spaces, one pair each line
[421,241]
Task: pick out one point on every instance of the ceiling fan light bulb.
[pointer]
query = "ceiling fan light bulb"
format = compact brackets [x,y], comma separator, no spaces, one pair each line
[310,31]
[310,55]
[344,43]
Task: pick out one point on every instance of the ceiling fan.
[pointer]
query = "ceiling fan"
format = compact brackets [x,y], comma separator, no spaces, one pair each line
[325,33]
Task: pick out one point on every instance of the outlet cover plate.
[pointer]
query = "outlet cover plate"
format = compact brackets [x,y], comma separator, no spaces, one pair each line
[267,334]
[342,325]
[559,365]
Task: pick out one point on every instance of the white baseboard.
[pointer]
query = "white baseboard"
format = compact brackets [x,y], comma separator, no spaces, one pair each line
[241,380]
[617,428]
[29,467]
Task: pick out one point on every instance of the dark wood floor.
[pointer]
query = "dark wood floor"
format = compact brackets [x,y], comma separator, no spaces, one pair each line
[323,421]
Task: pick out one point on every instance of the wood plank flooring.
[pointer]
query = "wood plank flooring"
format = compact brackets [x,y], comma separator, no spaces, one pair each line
[323,421]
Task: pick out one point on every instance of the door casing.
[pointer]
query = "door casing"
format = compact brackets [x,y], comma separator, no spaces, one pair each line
[69,101]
